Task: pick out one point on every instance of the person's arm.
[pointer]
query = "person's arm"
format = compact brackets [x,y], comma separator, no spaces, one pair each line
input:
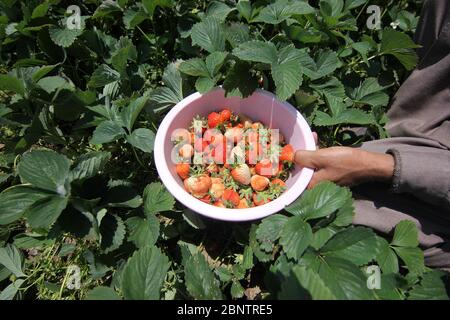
[421,171]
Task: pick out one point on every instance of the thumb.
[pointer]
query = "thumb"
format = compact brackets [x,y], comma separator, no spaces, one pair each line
[305,158]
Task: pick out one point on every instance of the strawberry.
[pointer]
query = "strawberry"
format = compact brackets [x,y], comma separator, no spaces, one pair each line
[198,186]
[253,153]
[214,119]
[181,135]
[231,197]
[186,151]
[225,115]
[217,187]
[241,174]
[213,136]
[183,170]
[266,168]
[243,204]
[206,199]
[234,134]
[200,145]
[279,182]
[259,183]
[219,153]
[287,153]
[220,204]
[260,198]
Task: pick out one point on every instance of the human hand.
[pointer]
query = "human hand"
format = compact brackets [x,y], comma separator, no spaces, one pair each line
[346,166]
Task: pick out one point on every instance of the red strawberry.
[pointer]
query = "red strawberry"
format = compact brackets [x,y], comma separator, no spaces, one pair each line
[219,153]
[278,182]
[206,199]
[183,170]
[225,115]
[220,204]
[259,183]
[231,197]
[198,186]
[217,187]
[259,199]
[241,174]
[287,153]
[266,168]
[214,119]
[186,151]
[243,204]
[200,145]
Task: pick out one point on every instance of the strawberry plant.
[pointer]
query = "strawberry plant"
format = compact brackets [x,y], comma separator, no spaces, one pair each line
[83,89]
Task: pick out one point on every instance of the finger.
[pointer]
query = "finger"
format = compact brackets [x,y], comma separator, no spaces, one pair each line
[305,158]
[316,139]
[317,178]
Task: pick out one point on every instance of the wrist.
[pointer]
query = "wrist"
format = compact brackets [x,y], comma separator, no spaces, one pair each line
[380,166]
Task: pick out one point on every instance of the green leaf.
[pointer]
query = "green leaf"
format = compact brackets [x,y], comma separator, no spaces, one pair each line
[344,279]
[63,37]
[405,234]
[157,198]
[399,45]
[371,93]
[357,244]
[11,83]
[11,259]
[112,232]
[144,274]
[433,286]
[218,10]
[142,139]
[106,8]
[10,291]
[332,87]
[122,196]
[200,281]
[143,231]
[386,258]
[45,169]
[321,236]
[321,201]
[194,67]
[43,213]
[209,34]
[204,85]
[102,293]
[312,282]
[103,75]
[270,230]
[287,72]
[239,81]
[349,116]
[150,5]
[257,51]
[237,33]
[40,10]
[39,73]
[214,61]
[15,200]
[107,131]
[245,9]
[295,237]
[254,244]
[131,112]
[53,83]
[412,257]
[89,165]
[237,291]
[133,16]
[281,10]
[170,95]
[326,63]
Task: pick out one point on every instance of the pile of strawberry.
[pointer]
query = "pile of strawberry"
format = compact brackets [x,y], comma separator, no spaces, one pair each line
[253,181]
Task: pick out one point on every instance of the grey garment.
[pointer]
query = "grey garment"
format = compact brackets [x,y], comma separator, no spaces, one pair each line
[420,128]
